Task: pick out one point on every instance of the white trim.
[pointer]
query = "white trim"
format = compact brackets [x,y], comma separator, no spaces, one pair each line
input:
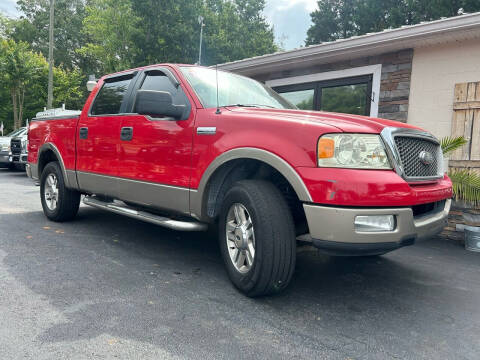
[375,70]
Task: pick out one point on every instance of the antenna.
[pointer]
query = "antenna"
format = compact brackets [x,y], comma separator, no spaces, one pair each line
[218,103]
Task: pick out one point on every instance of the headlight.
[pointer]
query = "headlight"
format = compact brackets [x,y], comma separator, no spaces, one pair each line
[357,151]
[6,148]
[24,145]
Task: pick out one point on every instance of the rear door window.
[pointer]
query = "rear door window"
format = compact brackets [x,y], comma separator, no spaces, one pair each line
[111,96]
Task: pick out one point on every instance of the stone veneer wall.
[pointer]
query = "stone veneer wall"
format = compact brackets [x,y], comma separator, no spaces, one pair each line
[395,85]
[395,82]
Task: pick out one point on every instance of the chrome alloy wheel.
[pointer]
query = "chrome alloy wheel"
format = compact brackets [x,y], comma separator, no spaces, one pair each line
[50,192]
[240,238]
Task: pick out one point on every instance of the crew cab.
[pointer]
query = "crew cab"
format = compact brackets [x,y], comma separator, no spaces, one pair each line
[189,147]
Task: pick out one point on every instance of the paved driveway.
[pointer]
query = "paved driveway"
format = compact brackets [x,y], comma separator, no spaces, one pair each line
[105,286]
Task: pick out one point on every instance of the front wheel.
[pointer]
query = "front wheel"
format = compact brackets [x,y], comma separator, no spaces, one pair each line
[58,202]
[257,238]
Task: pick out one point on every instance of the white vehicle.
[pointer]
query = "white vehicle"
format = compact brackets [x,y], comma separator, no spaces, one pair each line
[6,158]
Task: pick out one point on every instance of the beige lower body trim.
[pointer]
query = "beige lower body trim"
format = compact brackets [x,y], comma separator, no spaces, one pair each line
[148,194]
[32,171]
[337,224]
[72,182]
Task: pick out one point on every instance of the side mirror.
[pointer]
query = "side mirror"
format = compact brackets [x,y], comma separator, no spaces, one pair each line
[157,104]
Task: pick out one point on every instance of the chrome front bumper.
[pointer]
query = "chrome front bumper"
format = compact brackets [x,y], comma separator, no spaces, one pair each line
[333,228]
[20,158]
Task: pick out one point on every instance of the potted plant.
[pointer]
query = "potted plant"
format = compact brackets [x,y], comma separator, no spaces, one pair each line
[466,190]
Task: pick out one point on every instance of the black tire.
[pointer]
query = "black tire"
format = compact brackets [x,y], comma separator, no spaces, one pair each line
[68,201]
[274,233]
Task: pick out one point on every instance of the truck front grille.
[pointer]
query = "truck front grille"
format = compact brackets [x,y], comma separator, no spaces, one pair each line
[16,146]
[410,150]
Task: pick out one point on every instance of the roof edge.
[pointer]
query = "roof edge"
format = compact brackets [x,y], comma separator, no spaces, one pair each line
[386,37]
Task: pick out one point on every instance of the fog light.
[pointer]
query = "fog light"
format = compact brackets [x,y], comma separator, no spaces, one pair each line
[374,223]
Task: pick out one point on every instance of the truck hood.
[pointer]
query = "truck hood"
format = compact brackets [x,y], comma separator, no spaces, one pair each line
[343,122]
[4,140]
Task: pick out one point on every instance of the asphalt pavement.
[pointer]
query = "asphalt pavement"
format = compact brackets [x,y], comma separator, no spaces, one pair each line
[109,287]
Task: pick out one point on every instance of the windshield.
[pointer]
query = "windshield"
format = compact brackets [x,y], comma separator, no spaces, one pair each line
[234,90]
[16,132]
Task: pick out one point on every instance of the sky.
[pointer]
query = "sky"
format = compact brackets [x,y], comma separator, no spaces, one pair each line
[8,7]
[290,19]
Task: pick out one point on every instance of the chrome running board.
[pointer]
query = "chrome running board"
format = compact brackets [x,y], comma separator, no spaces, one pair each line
[120,208]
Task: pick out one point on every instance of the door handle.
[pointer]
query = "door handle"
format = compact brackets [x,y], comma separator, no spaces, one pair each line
[126,133]
[83,133]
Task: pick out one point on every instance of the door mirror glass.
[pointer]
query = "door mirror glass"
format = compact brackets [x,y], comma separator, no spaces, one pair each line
[157,104]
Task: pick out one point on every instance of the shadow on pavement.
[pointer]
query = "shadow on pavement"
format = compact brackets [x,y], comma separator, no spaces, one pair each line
[115,275]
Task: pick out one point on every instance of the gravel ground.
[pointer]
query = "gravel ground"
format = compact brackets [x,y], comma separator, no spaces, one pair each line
[105,286]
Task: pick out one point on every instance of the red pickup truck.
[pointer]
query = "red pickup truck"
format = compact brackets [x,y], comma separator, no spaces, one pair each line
[187,147]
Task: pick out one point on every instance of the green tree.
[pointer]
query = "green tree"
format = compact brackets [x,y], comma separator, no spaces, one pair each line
[32,27]
[339,19]
[68,88]
[168,32]
[236,30]
[111,27]
[20,68]
[6,25]
[23,84]
[332,20]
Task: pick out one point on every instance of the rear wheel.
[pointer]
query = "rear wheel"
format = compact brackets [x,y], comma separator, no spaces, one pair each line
[58,202]
[257,238]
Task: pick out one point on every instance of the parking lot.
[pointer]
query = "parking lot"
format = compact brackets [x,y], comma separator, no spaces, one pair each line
[105,286]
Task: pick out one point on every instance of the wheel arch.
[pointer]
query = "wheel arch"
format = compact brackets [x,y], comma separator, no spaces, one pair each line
[48,153]
[224,166]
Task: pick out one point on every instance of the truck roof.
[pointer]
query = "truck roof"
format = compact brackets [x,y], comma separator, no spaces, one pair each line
[147,67]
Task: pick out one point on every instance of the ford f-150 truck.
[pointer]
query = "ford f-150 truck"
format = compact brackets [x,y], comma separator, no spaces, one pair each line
[187,147]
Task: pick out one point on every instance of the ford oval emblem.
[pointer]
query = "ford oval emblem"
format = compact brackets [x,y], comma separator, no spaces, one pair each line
[425,157]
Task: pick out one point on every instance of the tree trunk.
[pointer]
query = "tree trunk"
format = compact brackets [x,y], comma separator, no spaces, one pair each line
[20,106]
[13,92]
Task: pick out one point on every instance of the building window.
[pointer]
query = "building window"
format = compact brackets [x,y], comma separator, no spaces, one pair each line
[303,99]
[351,95]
